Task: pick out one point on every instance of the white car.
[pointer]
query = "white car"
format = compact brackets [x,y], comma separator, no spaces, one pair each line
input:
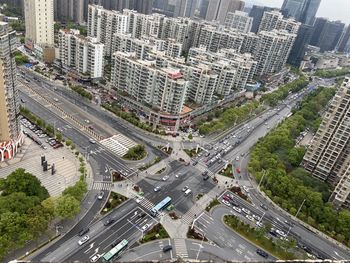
[177,175]
[145,227]
[92,141]
[83,240]
[225,202]
[259,224]
[157,189]
[237,158]
[250,218]
[246,211]
[95,258]
[237,209]
[281,233]
[165,178]
[246,188]
[139,199]
[257,218]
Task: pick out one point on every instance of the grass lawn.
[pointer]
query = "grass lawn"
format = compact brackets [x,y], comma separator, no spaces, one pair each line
[257,236]
[227,172]
[157,232]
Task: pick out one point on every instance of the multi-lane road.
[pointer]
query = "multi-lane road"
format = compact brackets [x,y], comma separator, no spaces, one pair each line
[234,147]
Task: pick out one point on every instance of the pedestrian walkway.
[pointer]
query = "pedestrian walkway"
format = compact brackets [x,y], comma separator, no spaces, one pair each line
[191,214]
[180,248]
[118,144]
[66,166]
[102,186]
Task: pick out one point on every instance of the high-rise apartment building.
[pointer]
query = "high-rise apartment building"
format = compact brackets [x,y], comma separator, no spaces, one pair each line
[102,23]
[69,10]
[218,9]
[272,51]
[84,54]
[303,11]
[11,136]
[185,8]
[318,26]
[300,44]
[39,17]
[274,20]
[257,13]
[239,21]
[328,155]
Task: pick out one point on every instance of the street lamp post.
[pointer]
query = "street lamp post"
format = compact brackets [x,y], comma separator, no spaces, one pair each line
[264,172]
[296,215]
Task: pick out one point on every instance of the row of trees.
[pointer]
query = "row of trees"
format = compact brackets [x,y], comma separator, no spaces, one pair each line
[229,117]
[287,184]
[275,97]
[332,73]
[82,92]
[20,58]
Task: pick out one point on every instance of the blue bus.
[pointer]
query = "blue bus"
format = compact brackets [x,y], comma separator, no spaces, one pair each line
[114,252]
[162,205]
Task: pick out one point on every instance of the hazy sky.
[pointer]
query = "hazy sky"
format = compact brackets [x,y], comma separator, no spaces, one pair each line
[333,9]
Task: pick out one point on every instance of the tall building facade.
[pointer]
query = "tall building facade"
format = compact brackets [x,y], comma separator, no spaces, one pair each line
[345,39]
[185,8]
[11,136]
[239,21]
[69,10]
[84,54]
[300,44]
[303,11]
[328,156]
[218,9]
[257,13]
[39,17]
[164,7]
[318,26]
[330,35]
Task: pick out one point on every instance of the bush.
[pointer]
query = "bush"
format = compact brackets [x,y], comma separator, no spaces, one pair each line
[135,153]
[82,92]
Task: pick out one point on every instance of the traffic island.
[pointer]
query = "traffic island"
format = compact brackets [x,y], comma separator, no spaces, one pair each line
[193,152]
[192,233]
[167,150]
[228,172]
[113,201]
[157,232]
[136,153]
[117,177]
[282,249]
[238,191]
[148,165]
[213,203]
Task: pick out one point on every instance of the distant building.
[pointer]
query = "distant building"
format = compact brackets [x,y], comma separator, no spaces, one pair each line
[239,21]
[69,10]
[344,41]
[257,13]
[303,11]
[330,35]
[203,8]
[185,8]
[83,54]
[164,7]
[274,20]
[218,9]
[11,136]
[300,44]
[328,156]
[39,18]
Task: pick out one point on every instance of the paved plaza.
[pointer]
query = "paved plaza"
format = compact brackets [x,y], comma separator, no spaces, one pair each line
[66,165]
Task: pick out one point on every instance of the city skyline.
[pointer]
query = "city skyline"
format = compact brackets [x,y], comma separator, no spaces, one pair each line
[332,9]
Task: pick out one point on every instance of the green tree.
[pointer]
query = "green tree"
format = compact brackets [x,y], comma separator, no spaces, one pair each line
[77,191]
[67,207]
[22,181]
[190,136]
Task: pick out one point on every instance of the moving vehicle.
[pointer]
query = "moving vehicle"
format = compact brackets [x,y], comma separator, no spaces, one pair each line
[101,195]
[205,177]
[262,253]
[187,192]
[167,248]
[83,231]
[116,251]
[83,240]
[166,177]
[162,205]
[185,188]
[157,188]
[95,258]
[109,221]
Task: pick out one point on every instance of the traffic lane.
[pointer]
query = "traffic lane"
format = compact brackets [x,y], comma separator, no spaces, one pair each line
[70,245]
[81,140]
[149,252]
[213,227]
[129,228]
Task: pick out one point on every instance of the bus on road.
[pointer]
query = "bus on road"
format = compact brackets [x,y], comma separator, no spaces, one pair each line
[114,252]
[162,205]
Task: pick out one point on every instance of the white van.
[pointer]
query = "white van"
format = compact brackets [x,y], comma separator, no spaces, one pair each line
[187,192]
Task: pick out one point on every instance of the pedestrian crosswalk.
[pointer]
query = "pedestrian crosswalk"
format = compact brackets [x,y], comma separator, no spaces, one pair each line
[119,144]
[102,185]
[191,214]
[180,248]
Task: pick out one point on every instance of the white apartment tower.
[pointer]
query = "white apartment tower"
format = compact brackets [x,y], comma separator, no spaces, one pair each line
[39,17]
[328,156]
[274,20]
[84,54]
[239,21]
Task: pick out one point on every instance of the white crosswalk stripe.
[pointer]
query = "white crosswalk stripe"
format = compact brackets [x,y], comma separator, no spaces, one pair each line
[191,214]
[102,186]
[119,144]
[180,247]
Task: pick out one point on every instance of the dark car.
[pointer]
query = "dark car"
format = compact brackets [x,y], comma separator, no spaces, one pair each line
[194,163]
[109,221]
[83,231]
[263,206]
[141,215]
[262,253]
[167,248]
[205,173]
[205,177]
